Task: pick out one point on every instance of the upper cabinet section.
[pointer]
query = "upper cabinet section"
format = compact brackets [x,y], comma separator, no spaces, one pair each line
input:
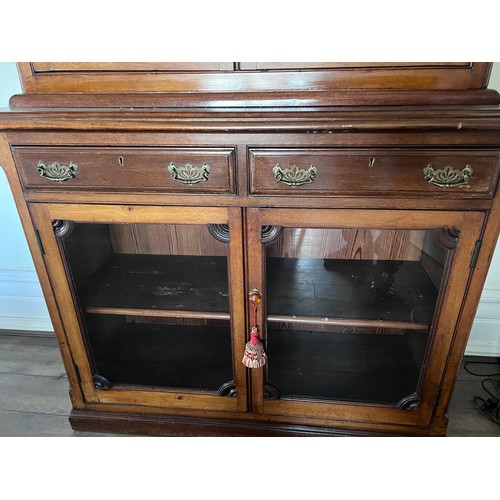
[79,67]
[250,76]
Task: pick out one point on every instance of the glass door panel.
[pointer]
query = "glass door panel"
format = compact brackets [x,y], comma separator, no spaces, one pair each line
[154,303]
[350,312]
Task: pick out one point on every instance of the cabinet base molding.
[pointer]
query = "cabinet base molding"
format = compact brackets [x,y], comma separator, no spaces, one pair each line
[187,426]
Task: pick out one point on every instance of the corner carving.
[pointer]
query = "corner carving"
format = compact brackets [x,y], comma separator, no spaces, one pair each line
[447,237]
[63,228]
[271,392]
[410,402]
[271,233]
[219,231]
[227,390]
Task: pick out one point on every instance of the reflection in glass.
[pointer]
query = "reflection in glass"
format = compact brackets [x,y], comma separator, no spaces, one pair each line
[349,312]
[155,303]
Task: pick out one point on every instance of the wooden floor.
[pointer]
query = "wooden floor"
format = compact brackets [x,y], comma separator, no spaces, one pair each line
[34,392]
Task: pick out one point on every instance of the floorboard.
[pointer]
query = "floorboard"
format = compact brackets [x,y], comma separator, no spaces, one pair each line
[34,397]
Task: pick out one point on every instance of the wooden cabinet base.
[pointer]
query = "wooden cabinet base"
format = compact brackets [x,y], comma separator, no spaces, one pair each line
[175,425]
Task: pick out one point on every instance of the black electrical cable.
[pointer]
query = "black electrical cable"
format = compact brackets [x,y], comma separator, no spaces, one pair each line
[480,363]
[496,386]
[490,407]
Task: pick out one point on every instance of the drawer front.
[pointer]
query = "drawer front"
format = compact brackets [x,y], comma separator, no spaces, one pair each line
[307,172]
[175,170]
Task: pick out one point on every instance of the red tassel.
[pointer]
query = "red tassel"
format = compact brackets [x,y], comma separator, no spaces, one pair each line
[254,356]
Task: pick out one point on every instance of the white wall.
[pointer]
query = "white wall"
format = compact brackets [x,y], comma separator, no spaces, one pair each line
[485,334]
[22,306]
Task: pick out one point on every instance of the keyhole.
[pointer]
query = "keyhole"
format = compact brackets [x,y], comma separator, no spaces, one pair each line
[371,161]
[121,161]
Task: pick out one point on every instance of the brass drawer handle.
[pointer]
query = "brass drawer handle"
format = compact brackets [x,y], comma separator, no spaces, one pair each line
[189,174]
[56,172]
[448,176]
[295,176]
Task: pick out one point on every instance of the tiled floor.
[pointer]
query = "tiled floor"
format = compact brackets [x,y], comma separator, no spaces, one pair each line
[34,392]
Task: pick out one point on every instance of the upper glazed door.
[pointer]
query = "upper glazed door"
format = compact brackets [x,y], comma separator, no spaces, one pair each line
[47,67]
[151,301]
[249,76]
[384,75]
[359,309]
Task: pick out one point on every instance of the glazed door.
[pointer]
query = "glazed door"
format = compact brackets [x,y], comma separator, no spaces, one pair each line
[358,309]
[152,301]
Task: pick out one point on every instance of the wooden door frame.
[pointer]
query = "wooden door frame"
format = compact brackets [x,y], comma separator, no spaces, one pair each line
[44,214]
[470,225]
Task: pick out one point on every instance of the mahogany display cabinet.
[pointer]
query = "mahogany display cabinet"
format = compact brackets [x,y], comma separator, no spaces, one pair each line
[346,214]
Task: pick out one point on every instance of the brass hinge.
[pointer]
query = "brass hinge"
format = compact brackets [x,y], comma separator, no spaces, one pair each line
[77,372]
[438,395]
[39,239]
[475,254]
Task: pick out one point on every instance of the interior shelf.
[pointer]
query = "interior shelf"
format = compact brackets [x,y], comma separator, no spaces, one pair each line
[347,322]
[340,293]
[159,285]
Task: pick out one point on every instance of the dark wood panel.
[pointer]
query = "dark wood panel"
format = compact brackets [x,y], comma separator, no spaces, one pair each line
[421,126]
[248,100]
[127,169]
[375,172]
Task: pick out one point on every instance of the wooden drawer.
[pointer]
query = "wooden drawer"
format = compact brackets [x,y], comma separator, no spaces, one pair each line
[326,171]
[175,170]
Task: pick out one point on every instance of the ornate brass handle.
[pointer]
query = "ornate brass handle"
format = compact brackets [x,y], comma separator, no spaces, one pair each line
[56,172]
[189,174]
[448,176]
[295,176]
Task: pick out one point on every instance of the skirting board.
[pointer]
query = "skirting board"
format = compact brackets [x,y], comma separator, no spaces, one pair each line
[22,306]
[484,338]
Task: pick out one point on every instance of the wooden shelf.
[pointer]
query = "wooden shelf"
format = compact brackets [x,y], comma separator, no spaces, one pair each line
[338,293]
[348,322]
[168,286]
[159,314]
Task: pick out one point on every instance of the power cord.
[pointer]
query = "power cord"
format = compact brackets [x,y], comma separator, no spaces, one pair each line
[490,407]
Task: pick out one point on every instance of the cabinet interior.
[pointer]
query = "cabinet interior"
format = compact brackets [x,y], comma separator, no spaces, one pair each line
[350,312]
[347,302]
[156,303]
